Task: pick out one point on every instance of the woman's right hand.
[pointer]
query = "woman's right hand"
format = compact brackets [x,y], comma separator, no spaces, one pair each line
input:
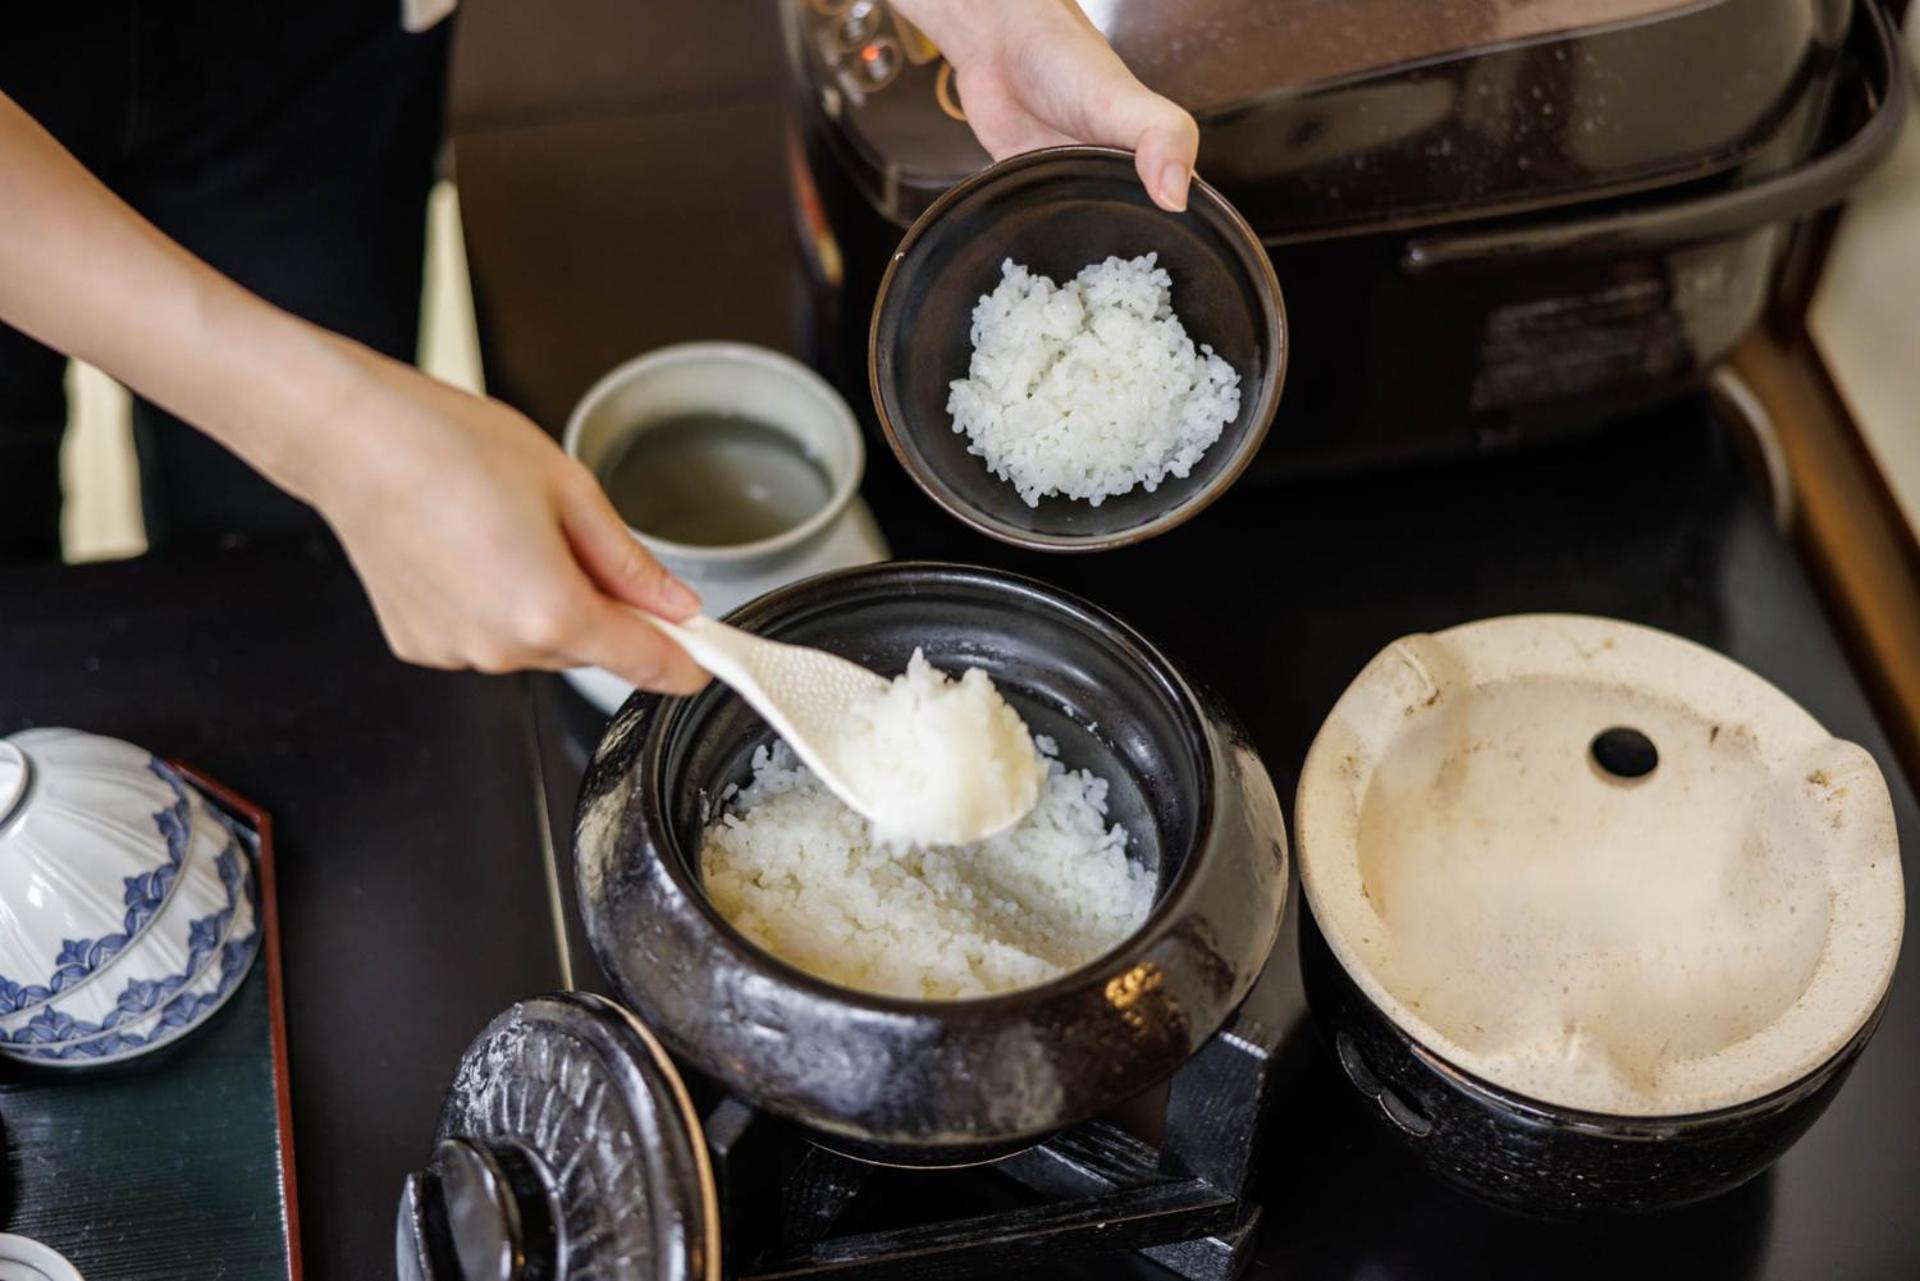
[482,545]
[480,542]
[1037,73]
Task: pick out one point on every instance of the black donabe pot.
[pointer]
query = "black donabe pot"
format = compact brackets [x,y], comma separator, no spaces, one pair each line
[943,1082]
[1538,1158]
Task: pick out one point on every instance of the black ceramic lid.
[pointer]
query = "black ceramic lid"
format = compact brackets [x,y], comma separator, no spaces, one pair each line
[568,1148]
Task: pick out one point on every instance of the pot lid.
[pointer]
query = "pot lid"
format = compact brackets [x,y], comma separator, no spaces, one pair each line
[568,1148]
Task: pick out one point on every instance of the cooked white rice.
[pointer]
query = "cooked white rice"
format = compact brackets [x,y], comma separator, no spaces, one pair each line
[1089,388]
[935,761]
[801,875]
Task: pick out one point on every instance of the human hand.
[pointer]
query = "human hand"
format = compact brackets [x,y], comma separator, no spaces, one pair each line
[482,545]
[1035,73]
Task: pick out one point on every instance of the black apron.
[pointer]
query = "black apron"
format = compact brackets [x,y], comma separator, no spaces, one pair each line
[291,145]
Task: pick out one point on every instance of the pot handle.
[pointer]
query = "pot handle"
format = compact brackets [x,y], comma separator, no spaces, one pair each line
[1393,1105]
[1783,198]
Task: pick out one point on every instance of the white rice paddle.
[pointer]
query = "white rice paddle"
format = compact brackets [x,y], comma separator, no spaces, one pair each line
[815,701]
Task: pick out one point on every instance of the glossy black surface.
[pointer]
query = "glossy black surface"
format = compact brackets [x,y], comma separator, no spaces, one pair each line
[940,1082]
[1344,115]
[145,1171]
[1056,212]
[1411,340]
[1544,1160]
[413,903]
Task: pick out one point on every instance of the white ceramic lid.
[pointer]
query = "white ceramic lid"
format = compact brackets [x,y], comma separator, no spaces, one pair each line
[1688,939]
[89,855]
[13,778]
[154,1013]
[184,930]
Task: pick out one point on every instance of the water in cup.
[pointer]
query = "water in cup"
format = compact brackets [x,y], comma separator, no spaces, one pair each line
[714,480]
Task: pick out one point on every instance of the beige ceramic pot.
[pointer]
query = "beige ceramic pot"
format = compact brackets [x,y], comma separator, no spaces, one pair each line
[1592,875]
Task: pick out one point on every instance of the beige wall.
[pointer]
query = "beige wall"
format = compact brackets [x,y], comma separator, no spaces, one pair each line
[1866,316]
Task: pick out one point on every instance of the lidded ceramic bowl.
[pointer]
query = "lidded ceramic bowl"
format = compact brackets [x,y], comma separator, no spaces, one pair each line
[943,1081]
[1599,918]
[133,895]
[93,833]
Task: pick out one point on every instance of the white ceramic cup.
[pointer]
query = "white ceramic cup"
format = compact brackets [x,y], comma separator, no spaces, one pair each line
[740,380]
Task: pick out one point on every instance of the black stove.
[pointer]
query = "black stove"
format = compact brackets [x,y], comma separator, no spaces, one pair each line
[1260,1158]
[1168,1181]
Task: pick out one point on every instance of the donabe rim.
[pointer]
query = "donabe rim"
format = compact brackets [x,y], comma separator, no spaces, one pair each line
[1278,348]
[681,869]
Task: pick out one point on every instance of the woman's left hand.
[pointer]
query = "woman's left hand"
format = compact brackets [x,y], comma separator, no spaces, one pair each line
[1035,73]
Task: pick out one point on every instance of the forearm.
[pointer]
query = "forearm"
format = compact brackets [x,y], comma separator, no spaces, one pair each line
[480,543]
[83,273]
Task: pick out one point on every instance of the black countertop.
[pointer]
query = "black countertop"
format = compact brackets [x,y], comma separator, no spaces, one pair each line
[414,893]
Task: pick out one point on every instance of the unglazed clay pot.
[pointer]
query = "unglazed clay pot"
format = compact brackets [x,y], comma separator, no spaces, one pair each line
[934,1082]
[1599,918]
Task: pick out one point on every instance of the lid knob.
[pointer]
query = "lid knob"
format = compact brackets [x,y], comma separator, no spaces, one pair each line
[480,1212]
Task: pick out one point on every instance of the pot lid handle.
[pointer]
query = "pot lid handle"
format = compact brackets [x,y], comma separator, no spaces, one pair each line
[568,1148]
[478,1214]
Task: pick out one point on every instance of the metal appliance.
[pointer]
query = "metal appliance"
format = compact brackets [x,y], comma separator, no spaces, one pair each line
[1492,219]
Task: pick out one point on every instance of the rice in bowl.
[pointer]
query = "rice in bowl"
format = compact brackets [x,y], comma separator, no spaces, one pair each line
[1088,389]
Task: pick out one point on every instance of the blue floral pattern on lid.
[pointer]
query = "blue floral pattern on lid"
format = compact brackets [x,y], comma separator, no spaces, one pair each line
[53,1025]
[143,896]
[182,1012]
[184,1009]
